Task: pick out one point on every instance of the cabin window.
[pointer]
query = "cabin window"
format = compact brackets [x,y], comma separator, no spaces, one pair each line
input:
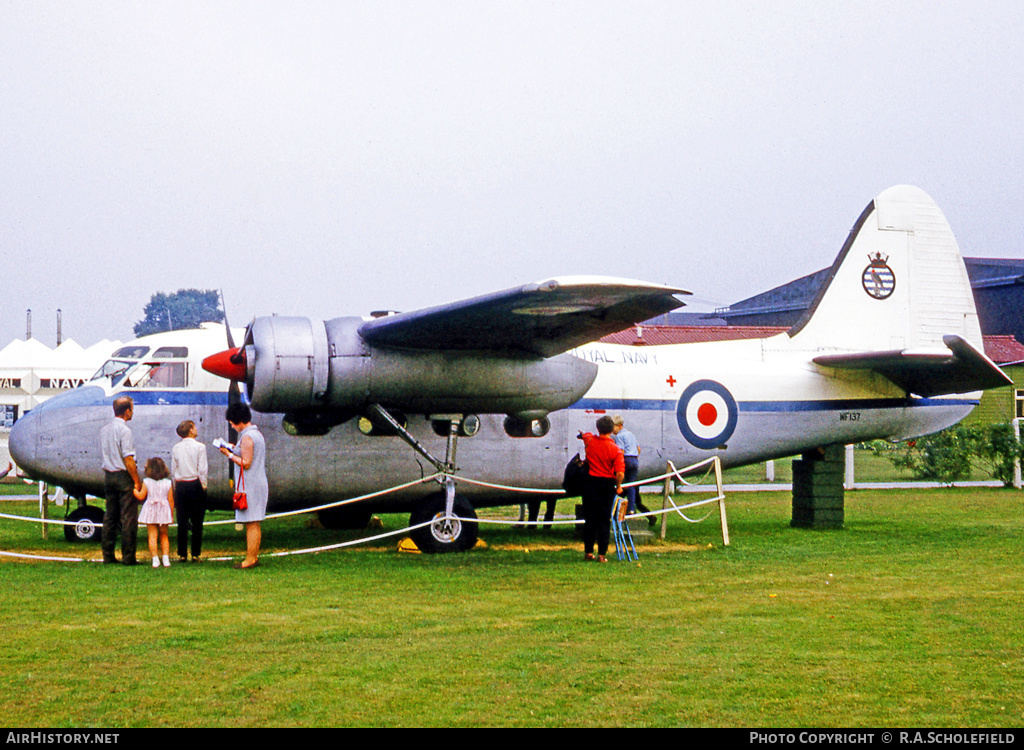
[1020,403]
[159,375]
[171,352]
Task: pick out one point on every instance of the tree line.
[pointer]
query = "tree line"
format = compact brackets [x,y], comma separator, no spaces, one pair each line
[185,308]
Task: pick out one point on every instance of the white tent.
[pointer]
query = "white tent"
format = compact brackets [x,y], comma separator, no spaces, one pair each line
[31,372]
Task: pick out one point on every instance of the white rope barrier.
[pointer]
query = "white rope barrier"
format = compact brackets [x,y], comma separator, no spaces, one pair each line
[673,473]
[348,501]
[491,485]
[42,557]
[715,465]
[283,514]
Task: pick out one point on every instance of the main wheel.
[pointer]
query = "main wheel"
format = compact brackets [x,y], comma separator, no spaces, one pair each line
[88,524]
[444,534]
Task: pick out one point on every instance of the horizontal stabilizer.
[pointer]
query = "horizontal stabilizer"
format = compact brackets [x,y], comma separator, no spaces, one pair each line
[545,318]
[960,369]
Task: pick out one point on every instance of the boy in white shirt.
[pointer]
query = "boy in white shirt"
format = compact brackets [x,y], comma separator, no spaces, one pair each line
[190,471]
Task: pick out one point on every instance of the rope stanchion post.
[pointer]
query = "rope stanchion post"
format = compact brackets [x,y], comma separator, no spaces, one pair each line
[665,495]
[44,505]
[716,465]
[721,501]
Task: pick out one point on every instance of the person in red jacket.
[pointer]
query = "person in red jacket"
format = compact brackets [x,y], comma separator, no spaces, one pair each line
[606,471]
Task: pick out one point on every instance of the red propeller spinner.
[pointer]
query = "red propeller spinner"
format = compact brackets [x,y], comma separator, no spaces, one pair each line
[228,364]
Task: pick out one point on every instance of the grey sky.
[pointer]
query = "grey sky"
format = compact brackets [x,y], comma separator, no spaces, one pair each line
[331,158]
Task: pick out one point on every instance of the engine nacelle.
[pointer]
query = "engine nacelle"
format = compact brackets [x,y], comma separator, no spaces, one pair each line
[299,365]
[287,364]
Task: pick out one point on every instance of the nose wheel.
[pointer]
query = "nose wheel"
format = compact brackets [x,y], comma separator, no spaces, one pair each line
[85,524]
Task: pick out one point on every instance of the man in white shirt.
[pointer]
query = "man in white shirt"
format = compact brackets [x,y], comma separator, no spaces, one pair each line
[120,479]
[190,471]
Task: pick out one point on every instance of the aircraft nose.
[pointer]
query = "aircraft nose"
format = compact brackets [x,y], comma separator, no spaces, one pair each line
[21,442]
[229,364]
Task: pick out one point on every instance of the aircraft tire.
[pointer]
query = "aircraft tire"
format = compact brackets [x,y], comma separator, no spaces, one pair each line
[87,524]
[344,518]
[441,536]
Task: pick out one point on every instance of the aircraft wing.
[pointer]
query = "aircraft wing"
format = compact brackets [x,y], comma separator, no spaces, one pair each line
[544,318]
[961,369]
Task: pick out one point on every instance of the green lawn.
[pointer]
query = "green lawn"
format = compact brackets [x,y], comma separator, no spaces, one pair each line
[908,617]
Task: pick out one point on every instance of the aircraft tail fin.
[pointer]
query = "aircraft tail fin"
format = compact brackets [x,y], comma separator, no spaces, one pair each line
[898,301]
[898,283]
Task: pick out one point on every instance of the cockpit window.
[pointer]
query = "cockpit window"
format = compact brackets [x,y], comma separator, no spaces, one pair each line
[171,352]
[168,372]
[131,352]
[113,369]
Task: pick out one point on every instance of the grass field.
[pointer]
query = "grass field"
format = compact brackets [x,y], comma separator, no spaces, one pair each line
[908,617]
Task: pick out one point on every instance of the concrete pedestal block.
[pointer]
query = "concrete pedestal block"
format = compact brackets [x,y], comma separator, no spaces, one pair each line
[818,494]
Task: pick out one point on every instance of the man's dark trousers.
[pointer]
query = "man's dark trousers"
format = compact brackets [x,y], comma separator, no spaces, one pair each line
[121,513]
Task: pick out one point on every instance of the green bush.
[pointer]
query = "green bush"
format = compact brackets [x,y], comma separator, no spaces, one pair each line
[952,454]
[1001,449]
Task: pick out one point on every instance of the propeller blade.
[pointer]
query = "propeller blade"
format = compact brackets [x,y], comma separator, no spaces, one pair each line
[227,326]
[229,364]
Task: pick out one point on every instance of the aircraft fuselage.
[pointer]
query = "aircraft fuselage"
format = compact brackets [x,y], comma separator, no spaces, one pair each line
[745,401]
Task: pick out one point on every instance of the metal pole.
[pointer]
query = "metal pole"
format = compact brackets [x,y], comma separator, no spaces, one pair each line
[44,502]
[664,500]
[1016,464]
[848,484]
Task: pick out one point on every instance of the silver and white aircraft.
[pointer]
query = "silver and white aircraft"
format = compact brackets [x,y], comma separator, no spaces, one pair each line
[890,348]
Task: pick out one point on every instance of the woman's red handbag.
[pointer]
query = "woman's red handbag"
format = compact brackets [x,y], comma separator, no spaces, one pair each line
[238,500]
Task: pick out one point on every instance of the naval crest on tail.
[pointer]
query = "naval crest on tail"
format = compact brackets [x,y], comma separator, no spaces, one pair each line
[878,279]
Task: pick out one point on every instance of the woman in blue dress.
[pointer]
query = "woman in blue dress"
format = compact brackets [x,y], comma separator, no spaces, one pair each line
[249,456]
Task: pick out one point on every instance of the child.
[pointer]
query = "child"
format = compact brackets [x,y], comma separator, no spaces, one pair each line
[189,471]
[158,509]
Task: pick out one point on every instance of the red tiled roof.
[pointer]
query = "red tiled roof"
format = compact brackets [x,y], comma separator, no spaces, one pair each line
[1000,349]
[658,335]
[1003,349]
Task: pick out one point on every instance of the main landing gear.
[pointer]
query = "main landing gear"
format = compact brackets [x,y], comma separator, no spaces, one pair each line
[449,528]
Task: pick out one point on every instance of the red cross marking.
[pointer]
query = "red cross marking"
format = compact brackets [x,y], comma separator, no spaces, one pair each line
[671,381]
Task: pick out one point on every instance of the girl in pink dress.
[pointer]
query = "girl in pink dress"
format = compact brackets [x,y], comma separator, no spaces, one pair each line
[158,509]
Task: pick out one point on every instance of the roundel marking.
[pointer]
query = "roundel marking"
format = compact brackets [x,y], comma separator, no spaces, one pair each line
[706,414]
